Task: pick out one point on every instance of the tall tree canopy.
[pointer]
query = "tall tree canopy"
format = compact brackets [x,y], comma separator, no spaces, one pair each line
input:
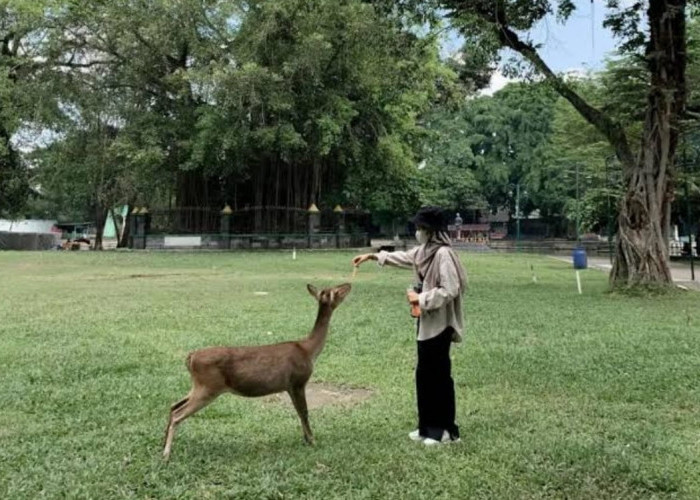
[655,30]
[254,103]
[23,88]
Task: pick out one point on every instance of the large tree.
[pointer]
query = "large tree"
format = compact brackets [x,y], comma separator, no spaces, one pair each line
[21,92]
[483,150]
[259,103]
[654,29]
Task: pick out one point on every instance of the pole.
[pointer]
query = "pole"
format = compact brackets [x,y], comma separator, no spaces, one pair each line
[578,282]
[578,210]
[517,216]
[689,230]
[688,227]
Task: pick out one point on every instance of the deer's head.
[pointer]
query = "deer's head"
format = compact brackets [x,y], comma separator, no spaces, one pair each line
[330,296]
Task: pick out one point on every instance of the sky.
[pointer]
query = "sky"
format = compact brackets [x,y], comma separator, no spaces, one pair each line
[581,44]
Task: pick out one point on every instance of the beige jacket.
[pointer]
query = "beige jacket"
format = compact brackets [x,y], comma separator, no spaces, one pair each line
[441,306]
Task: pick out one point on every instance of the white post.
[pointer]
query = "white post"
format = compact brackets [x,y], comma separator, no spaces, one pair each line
[578,281]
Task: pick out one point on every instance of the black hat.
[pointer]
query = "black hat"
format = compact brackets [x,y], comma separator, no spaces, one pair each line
[433,218]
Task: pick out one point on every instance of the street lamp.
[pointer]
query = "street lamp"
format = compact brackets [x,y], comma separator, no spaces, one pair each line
[578,202]
[578,210]
[688,224]
[518,214]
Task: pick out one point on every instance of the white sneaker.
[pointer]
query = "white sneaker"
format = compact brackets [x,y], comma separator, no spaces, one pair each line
[446,439]
[415,435]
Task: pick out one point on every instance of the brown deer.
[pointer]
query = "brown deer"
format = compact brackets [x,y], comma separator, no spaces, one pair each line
[258,371]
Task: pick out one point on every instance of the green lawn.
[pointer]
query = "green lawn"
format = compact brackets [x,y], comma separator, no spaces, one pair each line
[559,395]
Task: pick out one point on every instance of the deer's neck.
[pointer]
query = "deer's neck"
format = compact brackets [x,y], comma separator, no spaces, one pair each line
[317,338]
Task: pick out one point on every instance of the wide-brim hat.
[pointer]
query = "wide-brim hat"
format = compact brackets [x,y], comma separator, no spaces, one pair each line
[434,218]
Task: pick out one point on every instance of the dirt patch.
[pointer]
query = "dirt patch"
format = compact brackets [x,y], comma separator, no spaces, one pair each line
[102,277]
[153,275]
[319,395]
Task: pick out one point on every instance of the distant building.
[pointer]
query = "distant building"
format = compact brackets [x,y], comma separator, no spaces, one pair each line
[28,226]
[28,234]
[481,227]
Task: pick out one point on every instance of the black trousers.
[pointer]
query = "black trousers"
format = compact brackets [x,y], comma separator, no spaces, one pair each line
[435,389]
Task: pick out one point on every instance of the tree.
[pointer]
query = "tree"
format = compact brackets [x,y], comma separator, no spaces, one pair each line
[482,149]
[151,56]
[97,165]
[21,84]
[321,107]
[448,177]
[260,103]
[643,224]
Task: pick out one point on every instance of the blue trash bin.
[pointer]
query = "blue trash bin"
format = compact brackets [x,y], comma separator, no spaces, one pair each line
[580,258]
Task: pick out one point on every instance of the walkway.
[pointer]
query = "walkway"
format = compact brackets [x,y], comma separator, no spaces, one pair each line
[679,270]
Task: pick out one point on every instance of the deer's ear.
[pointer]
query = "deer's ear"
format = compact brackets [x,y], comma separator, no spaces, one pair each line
[342,290]
[312,290]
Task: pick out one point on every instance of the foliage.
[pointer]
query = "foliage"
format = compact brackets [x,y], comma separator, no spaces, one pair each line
[223,102]
[333,95]
[641,247]
[286,102]
[24,93]
[482,150]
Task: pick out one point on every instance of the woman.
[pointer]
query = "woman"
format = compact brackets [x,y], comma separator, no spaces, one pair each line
[443,279]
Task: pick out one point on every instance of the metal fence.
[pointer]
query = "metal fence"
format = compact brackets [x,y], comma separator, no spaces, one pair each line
[250,227]
[184,221]
[249,220]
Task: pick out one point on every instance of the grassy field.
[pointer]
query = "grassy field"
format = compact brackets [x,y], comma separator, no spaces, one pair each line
[559,395]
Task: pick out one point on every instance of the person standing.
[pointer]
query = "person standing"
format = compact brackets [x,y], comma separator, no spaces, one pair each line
[442,281]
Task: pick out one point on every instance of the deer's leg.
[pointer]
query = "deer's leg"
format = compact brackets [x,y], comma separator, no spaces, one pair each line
[298,396]
[195,401]
[173,409]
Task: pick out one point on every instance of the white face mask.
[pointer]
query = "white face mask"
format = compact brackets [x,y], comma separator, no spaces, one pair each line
[422,236]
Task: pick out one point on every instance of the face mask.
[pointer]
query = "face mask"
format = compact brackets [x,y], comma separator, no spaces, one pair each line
[422,236]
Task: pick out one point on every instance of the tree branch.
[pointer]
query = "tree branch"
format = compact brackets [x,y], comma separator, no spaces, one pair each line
[82,65]
[5,48]
[612,130]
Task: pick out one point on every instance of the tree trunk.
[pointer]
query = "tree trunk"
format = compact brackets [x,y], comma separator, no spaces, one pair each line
[642,253]
[259,180]
[100,219]
[14,188]
[125,230]
[642,244]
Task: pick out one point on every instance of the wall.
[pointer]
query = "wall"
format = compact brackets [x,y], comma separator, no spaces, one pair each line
[26,226]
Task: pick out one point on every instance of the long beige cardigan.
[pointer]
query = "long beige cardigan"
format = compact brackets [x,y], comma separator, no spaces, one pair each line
[441,306]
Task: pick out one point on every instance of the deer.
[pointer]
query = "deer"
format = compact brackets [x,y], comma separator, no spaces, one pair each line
[254,371]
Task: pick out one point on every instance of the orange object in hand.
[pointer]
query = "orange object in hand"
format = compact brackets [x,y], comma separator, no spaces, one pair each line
[415,310]
[412,297]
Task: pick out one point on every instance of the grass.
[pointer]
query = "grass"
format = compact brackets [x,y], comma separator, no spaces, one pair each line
[559,395]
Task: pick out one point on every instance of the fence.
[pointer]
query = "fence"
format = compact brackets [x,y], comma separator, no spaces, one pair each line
[250,227]
[28,241]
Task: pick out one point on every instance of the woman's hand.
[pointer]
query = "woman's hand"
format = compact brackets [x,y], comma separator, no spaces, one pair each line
[363,258]
[412,297]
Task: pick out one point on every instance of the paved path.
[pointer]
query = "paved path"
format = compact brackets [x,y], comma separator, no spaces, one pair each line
[679,270]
